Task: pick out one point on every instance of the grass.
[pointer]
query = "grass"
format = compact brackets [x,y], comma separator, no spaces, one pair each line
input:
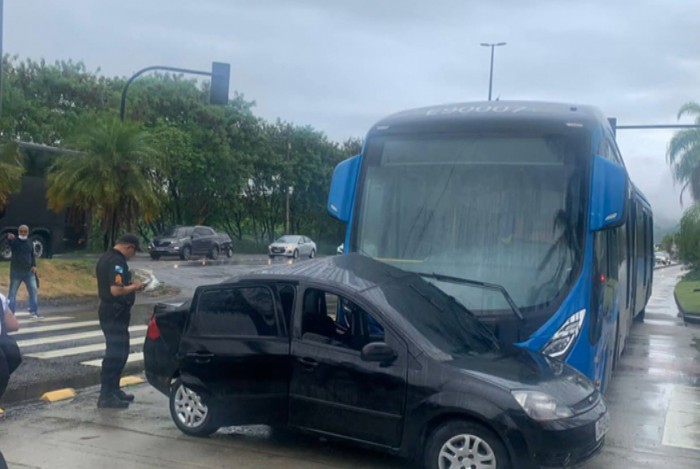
[686,294]
[60,279]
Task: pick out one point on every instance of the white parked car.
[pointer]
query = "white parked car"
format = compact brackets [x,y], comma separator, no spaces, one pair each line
[293,246]
[662,258]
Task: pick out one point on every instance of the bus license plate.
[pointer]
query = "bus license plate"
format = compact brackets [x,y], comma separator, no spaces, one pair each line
[602,426]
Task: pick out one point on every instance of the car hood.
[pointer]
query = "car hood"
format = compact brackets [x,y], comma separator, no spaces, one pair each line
[166,239]
[282,245]
[523,369]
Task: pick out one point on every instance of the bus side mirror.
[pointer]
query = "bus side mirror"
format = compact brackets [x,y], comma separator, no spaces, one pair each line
[342,193]
[608,194]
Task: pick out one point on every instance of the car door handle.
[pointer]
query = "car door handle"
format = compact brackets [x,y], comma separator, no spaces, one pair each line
[200,357]
[309,364]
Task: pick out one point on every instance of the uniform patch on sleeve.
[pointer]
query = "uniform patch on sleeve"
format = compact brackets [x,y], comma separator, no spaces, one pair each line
[118,269]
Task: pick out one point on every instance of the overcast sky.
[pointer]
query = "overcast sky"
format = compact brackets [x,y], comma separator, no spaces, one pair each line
[341,65]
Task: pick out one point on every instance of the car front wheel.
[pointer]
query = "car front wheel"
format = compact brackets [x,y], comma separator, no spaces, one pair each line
[461,444]
[214,254]
[312,254]
[190,411]
[296,254]
[186,253]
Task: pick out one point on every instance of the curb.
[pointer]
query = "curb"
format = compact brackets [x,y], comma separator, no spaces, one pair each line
[687,318]
[34,391]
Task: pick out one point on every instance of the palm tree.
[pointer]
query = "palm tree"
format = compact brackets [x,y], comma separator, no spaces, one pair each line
[11,170]
[684,153]
[113,178]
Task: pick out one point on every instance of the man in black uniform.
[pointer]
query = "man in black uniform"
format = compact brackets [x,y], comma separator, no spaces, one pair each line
[117,294]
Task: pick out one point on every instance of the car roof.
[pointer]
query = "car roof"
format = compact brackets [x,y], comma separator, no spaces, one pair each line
[352,272]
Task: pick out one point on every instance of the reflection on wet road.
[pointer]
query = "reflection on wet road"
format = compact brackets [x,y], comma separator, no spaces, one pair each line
[654,398]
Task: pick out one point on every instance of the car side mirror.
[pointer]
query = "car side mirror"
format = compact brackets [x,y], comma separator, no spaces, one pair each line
[378,352]
[342,192]
[609,189]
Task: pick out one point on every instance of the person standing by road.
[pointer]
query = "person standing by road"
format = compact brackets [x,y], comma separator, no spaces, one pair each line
[9,352]
[23,269]
[117,294]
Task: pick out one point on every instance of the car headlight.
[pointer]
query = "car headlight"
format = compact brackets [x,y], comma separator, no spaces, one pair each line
[566,335]
[540,406]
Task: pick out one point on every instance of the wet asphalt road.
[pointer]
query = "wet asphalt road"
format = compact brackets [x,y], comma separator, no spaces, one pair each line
[654,401]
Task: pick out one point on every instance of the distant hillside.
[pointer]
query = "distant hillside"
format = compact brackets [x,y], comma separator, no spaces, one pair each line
[663,226]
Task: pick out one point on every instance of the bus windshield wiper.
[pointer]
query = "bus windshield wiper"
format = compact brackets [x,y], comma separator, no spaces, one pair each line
[476,283]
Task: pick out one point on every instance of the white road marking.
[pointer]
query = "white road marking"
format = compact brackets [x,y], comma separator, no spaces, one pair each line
[133,357]
[55,327]
[67,337]
[66,352]
[24,322]
[682,426]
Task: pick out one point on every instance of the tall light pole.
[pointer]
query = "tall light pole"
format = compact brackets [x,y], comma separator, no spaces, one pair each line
[492,46]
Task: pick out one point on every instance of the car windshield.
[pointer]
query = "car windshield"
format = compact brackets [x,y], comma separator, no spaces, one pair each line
[288,239]
[176,232]
[440,319]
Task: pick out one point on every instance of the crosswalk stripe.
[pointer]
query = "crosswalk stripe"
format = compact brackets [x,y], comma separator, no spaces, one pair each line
[133,357]
[24,322]
[55,327]
[66,352]
[67,337]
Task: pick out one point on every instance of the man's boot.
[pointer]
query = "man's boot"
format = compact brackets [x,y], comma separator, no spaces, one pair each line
[111,401]
[124,396]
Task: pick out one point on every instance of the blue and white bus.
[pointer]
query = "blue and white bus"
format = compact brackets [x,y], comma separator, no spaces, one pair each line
[523,211]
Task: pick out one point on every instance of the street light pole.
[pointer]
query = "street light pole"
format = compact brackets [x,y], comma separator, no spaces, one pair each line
[492,46]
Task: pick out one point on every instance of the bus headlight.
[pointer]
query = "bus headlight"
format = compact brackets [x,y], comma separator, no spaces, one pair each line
[540,406]
[563,339]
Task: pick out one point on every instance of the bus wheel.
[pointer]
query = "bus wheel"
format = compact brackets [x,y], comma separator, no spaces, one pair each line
[5,249]
[39,245]
[640,317]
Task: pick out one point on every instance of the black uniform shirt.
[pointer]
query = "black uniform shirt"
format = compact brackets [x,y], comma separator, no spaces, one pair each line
[112,269]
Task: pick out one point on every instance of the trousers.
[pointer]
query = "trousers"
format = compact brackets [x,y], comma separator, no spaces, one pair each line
[114,322]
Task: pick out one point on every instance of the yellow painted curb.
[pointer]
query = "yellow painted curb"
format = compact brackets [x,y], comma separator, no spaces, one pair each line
[130,381]
[58,395]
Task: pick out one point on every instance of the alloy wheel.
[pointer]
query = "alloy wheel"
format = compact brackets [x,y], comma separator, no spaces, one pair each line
[466,452]
[189,408]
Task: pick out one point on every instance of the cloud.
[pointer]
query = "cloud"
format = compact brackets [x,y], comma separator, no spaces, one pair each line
[342,65]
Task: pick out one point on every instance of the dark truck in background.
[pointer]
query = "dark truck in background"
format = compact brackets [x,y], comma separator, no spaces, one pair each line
[51,232]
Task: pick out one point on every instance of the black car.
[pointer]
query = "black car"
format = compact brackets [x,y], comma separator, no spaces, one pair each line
[188,241]
[350,348]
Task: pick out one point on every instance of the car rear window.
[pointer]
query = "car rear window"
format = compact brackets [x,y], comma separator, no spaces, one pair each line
[235,311]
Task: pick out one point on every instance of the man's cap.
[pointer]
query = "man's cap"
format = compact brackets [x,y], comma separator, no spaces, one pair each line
[130,238]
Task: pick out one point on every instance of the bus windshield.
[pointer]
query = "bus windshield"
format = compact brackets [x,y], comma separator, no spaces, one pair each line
[507,210]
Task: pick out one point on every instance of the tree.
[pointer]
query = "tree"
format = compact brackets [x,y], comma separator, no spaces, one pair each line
[11,170]
[684,153]
[113,179]
[689,236]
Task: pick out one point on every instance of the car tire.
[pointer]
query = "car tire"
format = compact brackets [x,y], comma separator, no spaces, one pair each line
[229,252]
[296,254]
[155,256]
[452,440]
[190,411]
[214,254]
[39,245]
[312,254]
[186,253]
[5,249]
[271,256]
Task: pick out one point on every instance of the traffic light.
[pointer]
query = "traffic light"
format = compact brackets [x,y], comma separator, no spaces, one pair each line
[220,77]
